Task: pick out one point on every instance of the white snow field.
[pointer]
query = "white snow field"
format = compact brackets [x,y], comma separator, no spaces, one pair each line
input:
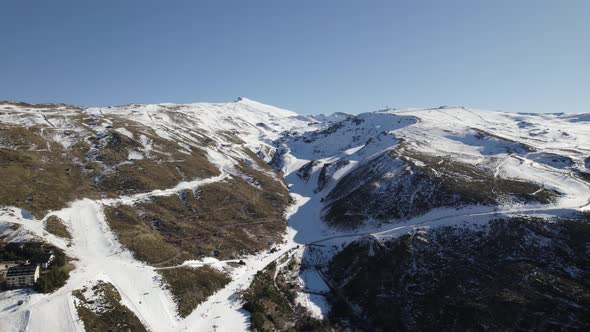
[543,148]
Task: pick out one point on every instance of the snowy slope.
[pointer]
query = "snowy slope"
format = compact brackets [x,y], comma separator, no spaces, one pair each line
[314,154]
[545,150]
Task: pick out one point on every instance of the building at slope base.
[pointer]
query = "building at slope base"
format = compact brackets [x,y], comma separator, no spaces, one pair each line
[22,276]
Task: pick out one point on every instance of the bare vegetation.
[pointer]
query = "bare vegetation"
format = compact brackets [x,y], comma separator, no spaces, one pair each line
[38,175]
[100,309]
[192,286]
[147,244]
[224,219]
[55,226]
[41,175]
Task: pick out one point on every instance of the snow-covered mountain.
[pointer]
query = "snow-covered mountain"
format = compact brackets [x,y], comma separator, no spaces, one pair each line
[155,196]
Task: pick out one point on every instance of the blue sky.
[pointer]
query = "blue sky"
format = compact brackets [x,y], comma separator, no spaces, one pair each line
[307,56]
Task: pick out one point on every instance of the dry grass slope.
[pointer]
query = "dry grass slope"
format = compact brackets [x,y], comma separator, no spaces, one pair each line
[224,219]
[39,174]
[55,226]
[192,286]
[146,244]
[111,316]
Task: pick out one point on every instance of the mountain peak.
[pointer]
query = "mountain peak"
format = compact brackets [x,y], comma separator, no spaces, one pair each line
[258,106]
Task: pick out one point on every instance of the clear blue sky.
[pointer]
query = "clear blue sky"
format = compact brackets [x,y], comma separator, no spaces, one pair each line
[307,56]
